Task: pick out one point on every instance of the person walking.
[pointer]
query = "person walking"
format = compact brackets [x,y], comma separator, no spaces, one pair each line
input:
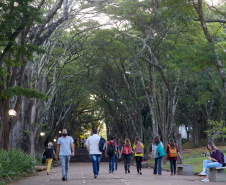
[94,152]
[126,152]
[49,153]
[214,160]
[139,153]
[116,156]
[172,152]
[85,142]
[65,149]
[76,143]
[110,153]
[156,156]
[82,142]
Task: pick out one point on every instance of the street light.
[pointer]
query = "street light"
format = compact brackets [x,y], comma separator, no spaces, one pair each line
[42,134]
[59,132]
[54,140]
[12,113]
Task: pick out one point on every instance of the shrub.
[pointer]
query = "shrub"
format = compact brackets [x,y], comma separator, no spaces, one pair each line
[15,163]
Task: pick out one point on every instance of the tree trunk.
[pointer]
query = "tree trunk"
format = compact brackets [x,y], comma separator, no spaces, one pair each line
[5,125]
[179,145]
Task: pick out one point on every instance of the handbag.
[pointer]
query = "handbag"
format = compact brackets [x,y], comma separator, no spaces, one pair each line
[43,159]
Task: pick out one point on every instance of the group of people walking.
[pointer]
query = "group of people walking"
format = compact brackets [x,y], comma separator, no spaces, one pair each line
[65,149]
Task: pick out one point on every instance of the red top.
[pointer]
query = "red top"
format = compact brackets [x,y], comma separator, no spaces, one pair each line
[108,143]
[167,151]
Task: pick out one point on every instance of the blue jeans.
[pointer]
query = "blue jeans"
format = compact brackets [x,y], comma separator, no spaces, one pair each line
[116,162]
[158,162]
[210,164]
[111,162]
[127,161]
[96,163]
[64,159]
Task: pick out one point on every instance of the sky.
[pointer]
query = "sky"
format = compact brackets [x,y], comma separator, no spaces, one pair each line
[214,2]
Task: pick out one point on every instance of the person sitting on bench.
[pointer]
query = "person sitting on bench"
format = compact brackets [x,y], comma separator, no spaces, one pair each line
[214,160]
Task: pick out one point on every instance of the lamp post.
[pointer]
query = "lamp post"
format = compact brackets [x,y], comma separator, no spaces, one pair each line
[42,134]
[12,113]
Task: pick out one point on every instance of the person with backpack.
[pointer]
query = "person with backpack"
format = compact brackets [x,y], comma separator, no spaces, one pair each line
[116,156]
[157,154]
[172,151]
[126,152]
[110,153]
[49,153]
[139,153]
[216,159]
[94,152]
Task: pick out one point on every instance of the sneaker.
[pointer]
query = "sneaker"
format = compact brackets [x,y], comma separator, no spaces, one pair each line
[109,171]
[125,171]
[47,173]
[63,178]
[205,180]
[128,171]
[140,173]
[202,173]
[95,176]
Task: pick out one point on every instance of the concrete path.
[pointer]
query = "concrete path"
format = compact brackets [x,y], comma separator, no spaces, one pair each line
[81,174]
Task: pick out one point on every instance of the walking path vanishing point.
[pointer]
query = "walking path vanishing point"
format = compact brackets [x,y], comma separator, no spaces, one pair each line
[82,174]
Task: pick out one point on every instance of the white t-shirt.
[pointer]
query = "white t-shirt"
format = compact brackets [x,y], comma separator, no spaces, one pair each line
[154,147]
[65,145]
[93,144]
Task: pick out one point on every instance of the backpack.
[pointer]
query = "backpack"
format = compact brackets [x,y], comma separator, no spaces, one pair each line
[160,151]
[126,149]
[111,148]
[102,144]
[172,151]
[138,149]
[224,159]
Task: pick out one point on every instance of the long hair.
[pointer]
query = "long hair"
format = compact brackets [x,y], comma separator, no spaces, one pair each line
[156,140]
[212,145]
[136,140]
[172,144]
[127,142]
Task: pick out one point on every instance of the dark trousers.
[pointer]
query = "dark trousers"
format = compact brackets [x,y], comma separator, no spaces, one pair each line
[111,162]
[158,162]
[138,161]
[173,166]
[127,161]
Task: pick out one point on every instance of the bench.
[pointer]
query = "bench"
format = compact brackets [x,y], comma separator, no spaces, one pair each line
[144,164]
[217,174]
[184,169]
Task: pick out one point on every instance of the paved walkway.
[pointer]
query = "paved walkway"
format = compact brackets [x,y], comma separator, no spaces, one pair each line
[81,174]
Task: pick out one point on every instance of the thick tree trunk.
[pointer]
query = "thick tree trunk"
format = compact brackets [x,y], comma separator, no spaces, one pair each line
[5,125]
[179,145]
